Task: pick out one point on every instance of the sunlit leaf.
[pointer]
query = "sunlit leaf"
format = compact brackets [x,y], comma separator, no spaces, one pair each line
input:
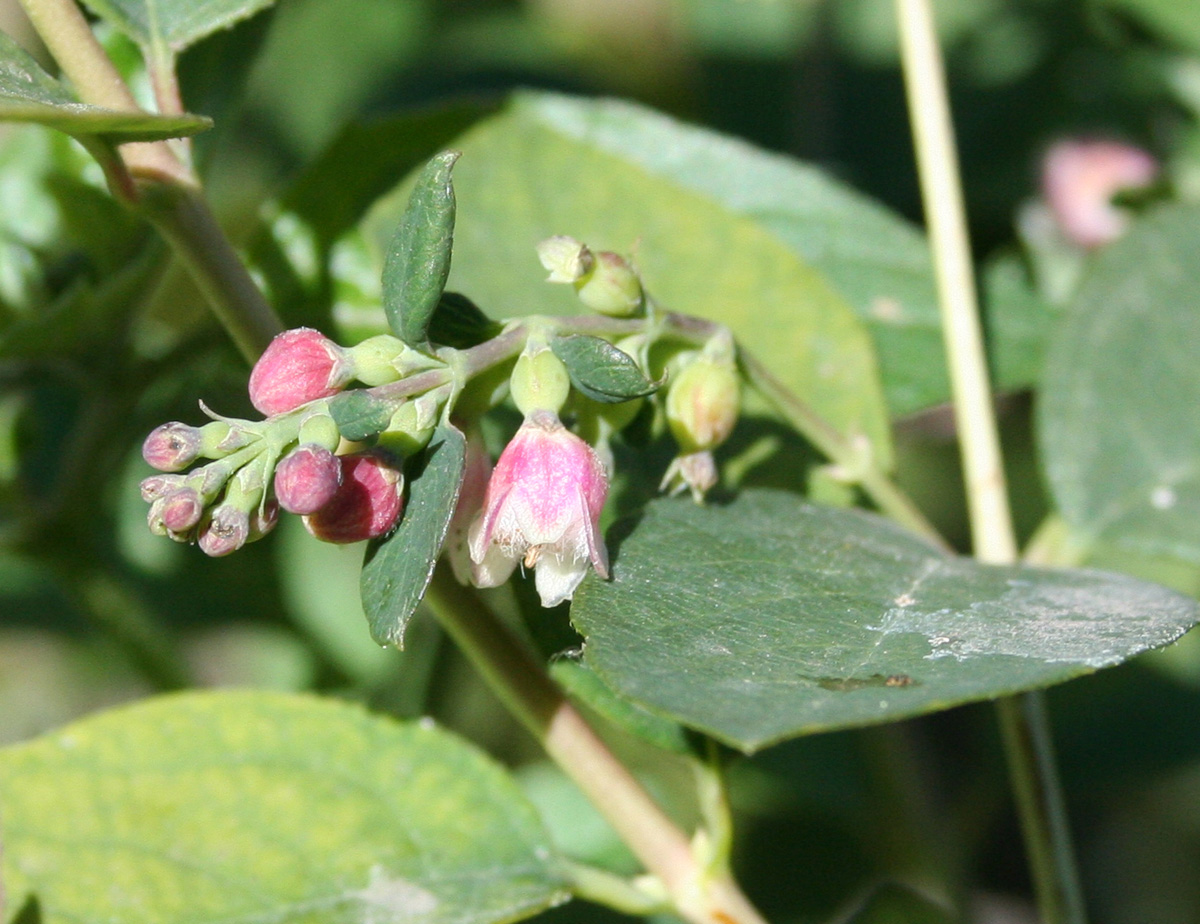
[241,806]
[770,618]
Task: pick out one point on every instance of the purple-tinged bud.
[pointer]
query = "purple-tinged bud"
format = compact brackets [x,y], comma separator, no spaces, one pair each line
[1079,180]
[299,366]
[307,478]
[542,509]
[367,504]
[157,486]
[181,510]
[172,447]
[227,531]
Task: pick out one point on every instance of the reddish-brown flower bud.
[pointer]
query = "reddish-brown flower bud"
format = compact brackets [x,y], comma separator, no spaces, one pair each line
[367,504]
[299,366]
[172,447]
[181,510]
[226,532]
[307,478]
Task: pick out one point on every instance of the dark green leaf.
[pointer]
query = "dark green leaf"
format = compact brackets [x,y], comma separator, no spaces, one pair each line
[458,322]
[418,258]
[526,178]
[29,94]
[165,27]
[877,261]
[359,415]
[600,370]
[254,806]
[1119,417]
[771,618]
[398,568]
[1019,322]
[896,904]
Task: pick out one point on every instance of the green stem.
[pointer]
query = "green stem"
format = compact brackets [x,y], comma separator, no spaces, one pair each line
[183,217]
[1027,738]
[527,691]
[826,438]
[605,888]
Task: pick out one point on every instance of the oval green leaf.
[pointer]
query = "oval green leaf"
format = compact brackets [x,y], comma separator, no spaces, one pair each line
[359,415]
[29,94]
[458,322]
[771,618]
[1119,412]
[255,806]
[600,370]
[524,178]
[418,258]
[398,568]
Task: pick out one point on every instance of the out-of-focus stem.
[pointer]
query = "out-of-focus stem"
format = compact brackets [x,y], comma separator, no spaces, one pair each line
[1027,740]
[527,691]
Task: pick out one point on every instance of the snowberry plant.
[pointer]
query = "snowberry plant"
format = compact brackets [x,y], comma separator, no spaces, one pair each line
[648,492]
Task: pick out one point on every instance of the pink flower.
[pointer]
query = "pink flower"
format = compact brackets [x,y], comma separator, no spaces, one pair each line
[299,366]
[1079,180]
[542,509]
[367,504]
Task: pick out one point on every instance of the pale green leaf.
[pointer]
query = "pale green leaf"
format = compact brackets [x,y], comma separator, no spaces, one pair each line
[1119,419]
[253,806]
[770,618]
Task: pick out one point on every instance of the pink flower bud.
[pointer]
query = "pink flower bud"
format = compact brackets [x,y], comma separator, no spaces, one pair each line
[542,509]
[172,447]
[307,479]
[263,519]
[181,510]
[1079,180]
[299,366]
[366,505]
[157,486]
[226,532]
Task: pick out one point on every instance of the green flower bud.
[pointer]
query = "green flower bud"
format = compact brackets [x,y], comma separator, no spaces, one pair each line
[612,287]
[539,381]
[703,403]
[374,360]
[319,429]
[413,424]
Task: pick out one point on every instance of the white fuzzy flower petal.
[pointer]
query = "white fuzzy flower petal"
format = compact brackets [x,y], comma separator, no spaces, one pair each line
[556,578]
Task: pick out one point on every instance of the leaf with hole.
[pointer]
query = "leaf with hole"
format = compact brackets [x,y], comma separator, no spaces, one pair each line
[398,568]
[770,618]
[418,257]
[29,94]
[255,806]
[602,371]
[1119,408]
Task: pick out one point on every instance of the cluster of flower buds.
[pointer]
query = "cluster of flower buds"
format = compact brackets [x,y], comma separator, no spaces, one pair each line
[288,460]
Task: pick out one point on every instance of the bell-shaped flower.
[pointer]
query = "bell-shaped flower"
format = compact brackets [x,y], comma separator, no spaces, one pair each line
[542,509]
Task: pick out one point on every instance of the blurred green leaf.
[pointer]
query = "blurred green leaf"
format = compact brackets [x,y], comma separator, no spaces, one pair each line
[600,370]
[29,94]
[418,258]
[1119,412]
[398,568]
[876,260]
[163,28]
[1019,322]
[1176,22]
[524,177]
[770,618]
[268,807]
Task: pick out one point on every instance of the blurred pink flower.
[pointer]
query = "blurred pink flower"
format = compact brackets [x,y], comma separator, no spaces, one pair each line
[542,508]
[1079,180]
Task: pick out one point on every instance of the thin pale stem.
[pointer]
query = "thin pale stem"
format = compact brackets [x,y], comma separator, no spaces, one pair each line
[526,690]
[1027,737]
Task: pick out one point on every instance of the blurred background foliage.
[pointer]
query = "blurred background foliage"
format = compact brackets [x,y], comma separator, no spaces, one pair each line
[102,337]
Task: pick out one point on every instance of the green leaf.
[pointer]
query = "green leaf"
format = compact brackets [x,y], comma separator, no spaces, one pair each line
[458,322]
[525,177]
[1119,415]
[1178,23]
[254,806]
[897,904]
[29,94]
[359,414]
[1019,322]
[771,618]
[398,568]
[875,260]
[600,370]
[163,28]
[418,258]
